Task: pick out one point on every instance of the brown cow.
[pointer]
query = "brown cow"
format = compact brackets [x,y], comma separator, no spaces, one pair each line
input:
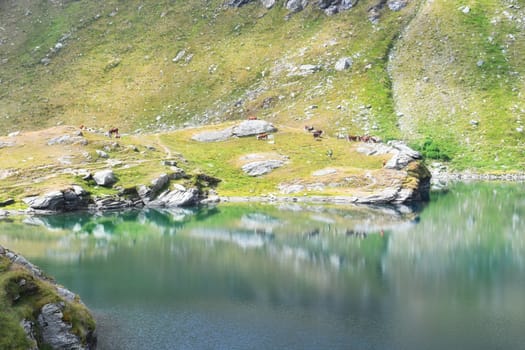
[317,133]
[309,128]
[252,117]
[113,131]
[262,136]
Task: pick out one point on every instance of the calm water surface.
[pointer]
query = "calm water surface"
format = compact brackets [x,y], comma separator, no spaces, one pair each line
[451,276]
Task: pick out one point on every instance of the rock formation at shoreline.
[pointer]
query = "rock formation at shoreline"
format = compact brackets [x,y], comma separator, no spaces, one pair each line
[57,318]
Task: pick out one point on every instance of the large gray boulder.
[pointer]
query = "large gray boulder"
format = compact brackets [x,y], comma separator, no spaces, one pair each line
[50,201]
[74,198]
[105,178]
[54,331]
[296,5]
[397,5]
[252,127]
[243,129]
[147,193]
[259,168]
[179,196]
[160,182]
[67,140]
[268,3]
[402,155]
[213,136]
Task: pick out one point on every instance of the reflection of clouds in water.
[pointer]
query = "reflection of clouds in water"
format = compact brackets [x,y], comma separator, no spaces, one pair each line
[99,232]
[243,240]
[259,222]
[323,219]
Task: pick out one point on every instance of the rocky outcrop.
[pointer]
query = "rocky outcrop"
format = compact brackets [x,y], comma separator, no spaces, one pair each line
[416,184]
[54,331]
[213,136]
[243,129]
[68,140]
[330,7]
[73,198]
[53,324]
[252,128]
[105,178]
[179,196]
[262,167]
[296,5]
[402,155]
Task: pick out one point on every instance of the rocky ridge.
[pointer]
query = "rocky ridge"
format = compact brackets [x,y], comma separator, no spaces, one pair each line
[330,7]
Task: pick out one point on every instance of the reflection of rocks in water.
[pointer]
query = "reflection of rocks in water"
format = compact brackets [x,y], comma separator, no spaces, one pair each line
[242,239]
[323,219]
[357,234]
[313,233]
[259,222]
[168,220]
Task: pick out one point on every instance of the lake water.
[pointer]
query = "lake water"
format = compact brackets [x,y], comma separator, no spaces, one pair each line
[450,276]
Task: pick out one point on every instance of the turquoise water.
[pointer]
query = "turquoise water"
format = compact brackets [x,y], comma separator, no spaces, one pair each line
[450,276]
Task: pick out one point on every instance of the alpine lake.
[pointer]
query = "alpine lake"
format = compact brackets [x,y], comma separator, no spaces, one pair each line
[449,275]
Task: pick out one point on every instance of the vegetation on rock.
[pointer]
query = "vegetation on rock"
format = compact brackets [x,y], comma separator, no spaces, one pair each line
[24,291]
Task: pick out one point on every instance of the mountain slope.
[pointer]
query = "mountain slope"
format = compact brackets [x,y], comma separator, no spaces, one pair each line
[162,65]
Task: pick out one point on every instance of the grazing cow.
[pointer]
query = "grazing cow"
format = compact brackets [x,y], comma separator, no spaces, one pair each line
[317,133]
[365,138]
[252,117]
[113,131]
[262,136]
[354,138]
[309,128]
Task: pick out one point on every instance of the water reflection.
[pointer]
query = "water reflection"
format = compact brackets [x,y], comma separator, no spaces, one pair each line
[263,276]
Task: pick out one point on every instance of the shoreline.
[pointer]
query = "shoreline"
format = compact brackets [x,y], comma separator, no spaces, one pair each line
[441,179]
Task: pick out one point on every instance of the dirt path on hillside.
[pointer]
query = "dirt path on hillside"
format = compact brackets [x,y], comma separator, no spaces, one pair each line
[165,148]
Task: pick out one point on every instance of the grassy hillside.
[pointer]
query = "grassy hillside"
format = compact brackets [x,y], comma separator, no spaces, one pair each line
[458,74]
[113,63]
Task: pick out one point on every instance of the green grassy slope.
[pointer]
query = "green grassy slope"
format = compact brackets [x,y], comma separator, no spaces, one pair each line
[458,80]
[116,66]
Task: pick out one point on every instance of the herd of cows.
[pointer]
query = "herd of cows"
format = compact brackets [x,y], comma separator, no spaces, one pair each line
[316,133]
